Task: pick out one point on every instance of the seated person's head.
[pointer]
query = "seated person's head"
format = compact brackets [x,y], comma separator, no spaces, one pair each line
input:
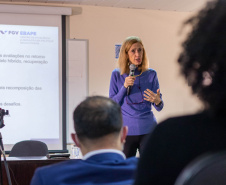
[203,60]
[98,125]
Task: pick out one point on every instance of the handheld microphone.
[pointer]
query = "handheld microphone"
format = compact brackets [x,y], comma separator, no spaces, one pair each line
[132,68]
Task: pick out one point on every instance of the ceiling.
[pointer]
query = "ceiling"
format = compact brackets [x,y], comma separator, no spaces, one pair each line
[163,5]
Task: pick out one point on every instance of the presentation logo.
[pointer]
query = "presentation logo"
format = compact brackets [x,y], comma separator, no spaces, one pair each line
[27,33]
[2,32]
[13,32]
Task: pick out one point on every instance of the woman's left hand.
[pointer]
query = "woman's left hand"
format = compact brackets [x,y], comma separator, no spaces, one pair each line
[152,97]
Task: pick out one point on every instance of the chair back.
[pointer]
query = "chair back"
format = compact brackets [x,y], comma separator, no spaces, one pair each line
[29,148]
[208,169]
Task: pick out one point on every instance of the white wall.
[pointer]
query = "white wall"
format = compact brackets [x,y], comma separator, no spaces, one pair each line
[159,31]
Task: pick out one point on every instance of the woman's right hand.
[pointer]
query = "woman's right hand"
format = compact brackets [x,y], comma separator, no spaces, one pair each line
[129,81]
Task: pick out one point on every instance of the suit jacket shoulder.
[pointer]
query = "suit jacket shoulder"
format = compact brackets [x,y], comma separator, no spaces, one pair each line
[108,168]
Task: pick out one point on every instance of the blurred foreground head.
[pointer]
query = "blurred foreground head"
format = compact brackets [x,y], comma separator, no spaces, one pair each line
[203,59]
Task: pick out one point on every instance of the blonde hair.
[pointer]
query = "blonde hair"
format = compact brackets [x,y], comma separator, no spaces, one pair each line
[123,61]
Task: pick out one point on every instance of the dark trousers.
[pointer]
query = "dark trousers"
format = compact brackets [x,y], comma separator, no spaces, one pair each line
[133,143]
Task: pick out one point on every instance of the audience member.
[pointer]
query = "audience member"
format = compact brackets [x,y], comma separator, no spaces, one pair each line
[177,141]
[100,136]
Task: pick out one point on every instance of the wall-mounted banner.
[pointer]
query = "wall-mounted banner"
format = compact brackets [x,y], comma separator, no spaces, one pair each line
[117,50]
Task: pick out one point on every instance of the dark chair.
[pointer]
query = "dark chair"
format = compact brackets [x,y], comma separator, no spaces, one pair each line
[29,148]
[209,169]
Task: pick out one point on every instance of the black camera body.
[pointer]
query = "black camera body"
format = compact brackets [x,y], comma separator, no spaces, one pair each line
[3,112]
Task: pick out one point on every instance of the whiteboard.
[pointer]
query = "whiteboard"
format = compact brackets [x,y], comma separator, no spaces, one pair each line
[76,78]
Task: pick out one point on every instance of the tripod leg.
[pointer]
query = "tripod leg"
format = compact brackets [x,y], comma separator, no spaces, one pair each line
[1,178]
[5,162]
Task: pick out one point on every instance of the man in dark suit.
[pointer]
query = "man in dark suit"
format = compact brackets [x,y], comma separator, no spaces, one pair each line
[100,136]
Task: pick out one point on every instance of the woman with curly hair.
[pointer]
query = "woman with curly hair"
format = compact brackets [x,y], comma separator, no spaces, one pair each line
[177,141]
[136,93]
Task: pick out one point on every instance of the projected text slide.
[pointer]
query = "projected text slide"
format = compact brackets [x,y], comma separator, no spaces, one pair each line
[29,88]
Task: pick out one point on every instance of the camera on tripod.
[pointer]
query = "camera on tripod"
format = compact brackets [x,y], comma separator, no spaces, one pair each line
[3,112]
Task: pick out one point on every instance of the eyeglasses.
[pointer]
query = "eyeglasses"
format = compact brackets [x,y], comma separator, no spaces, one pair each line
[129,100]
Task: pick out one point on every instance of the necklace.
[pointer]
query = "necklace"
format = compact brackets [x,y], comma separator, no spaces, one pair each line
[138,75]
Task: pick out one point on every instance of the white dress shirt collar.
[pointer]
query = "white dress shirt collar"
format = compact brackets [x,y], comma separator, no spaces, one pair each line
[89,154]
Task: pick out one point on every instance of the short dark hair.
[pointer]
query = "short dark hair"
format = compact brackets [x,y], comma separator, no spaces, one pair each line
[97,116]
[203,59]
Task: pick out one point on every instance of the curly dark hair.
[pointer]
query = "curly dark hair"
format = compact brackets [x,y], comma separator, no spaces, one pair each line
[203,59]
